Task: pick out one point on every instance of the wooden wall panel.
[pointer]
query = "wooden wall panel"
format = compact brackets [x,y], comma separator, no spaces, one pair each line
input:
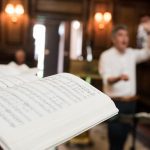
[58,9]
[12,34]
[0,21]
[100,37]
[52,46]
[62,6]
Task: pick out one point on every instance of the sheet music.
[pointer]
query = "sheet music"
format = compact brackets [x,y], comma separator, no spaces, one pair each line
[49,111]
[10,81]
[25,103]
[8,71]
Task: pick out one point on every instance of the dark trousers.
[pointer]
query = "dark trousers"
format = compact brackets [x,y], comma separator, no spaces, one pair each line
[117,131]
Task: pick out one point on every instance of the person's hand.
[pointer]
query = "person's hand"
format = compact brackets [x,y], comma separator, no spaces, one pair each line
[124,77]
[130,98]
[146,26]
[113,80]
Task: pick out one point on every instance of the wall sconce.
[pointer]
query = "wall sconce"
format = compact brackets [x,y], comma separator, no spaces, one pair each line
[14,11]
[102,19]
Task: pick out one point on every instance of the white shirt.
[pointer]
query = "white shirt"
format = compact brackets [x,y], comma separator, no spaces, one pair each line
[113,64]
[21,68]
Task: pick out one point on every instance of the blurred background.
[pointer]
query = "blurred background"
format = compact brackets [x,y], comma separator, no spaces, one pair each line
[68,36]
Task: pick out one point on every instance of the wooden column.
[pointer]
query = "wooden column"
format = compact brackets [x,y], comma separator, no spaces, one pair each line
[52,49]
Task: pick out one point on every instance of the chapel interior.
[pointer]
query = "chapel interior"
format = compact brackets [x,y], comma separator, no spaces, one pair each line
[69,36]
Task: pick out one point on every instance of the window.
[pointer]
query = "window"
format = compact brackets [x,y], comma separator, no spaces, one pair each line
[39,31]
[76,40]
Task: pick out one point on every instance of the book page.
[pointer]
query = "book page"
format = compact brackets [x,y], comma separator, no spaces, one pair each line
[47,96]
[50,111]
[5,70]
[10,81]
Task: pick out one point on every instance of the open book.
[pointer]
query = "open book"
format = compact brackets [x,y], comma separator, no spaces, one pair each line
[46,112]
[10,81]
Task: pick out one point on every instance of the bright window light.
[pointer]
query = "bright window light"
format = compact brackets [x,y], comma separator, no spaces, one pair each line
[39,31]
[76,24]
[76,40]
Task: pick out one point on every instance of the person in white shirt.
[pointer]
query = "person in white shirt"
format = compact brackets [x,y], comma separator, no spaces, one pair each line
[20,56]
[117,67]
[19,62]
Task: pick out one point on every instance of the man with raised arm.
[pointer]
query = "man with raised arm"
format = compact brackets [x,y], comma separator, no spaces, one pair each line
[117,67]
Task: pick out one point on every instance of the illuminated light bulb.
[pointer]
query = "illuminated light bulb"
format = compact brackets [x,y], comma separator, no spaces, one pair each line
[10,9]
[76,24]
[107,16]
[98,17]
[101,26]
[19,10]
